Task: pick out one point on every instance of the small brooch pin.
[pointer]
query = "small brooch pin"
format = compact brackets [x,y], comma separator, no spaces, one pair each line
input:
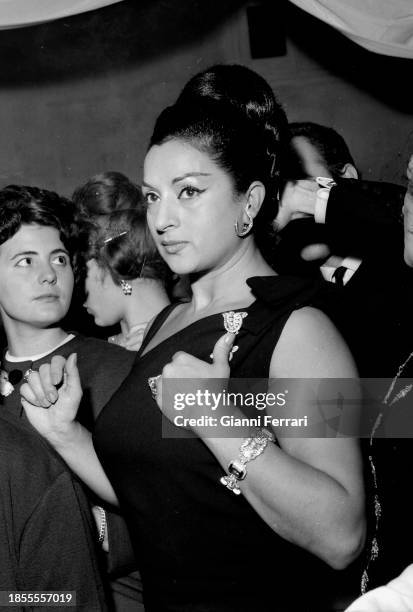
[152,382]
[233,321]
[6,388]
[232,324]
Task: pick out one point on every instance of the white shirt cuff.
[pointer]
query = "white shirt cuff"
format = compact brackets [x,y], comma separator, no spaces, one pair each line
[320,209]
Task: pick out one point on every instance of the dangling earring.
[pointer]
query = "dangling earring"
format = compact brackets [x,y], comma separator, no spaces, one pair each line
[246,226]
[126,287]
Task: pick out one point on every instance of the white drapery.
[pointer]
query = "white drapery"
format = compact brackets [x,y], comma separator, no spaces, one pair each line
[19,13]
[382,26]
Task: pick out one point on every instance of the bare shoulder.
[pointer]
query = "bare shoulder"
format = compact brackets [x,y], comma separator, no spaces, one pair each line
[310,321]
[311,346]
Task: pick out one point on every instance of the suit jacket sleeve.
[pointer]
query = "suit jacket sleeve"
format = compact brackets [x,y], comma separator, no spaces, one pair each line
[360,213]
[121,558]
[57,551]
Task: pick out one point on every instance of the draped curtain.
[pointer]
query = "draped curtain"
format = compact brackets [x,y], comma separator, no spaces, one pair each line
[382,26]
[19,13]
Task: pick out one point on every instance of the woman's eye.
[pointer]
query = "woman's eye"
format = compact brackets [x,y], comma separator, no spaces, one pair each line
[189,192]
[150,197]
[60,260]
[24,262]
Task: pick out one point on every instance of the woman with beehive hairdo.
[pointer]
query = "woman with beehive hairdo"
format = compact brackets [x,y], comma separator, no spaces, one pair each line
[222,519]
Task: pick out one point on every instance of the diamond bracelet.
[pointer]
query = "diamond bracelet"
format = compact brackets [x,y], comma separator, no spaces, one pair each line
[250,449]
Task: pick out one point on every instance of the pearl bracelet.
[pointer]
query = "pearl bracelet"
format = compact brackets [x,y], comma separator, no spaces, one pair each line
[250,449]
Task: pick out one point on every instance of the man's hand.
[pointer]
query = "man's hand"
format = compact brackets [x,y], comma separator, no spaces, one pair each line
[298,200]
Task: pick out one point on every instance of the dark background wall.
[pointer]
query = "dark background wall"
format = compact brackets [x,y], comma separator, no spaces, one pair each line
[80,95]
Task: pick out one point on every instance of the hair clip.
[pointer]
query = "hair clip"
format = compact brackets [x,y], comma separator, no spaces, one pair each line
[142,267]
[273,158]
[113,237]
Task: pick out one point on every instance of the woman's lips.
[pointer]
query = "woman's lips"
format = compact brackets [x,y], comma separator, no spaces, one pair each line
[173,246]
[49,297]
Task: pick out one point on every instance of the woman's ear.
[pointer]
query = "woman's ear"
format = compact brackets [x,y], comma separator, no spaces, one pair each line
[255,198]
[94,271]
[249,208]
[104,276]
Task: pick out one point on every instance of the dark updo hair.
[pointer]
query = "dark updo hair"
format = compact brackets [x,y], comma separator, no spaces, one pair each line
[22,205]
[124,247]
[231,113]
[248,92]
[104,193]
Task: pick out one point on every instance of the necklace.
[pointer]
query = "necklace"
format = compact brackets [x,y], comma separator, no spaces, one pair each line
[388,401]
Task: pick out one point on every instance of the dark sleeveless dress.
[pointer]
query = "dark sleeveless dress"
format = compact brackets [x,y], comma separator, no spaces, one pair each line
[200,547]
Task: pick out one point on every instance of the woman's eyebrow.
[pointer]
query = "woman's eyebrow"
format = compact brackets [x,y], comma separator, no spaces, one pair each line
[20,253]
[144,184]
[60,250]
[189,174]
[178,179]
[25,253]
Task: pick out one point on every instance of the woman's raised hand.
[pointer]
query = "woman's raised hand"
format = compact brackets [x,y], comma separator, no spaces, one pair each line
[185,366]
[51,397]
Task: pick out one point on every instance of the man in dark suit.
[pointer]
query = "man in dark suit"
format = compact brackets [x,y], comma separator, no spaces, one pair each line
[351,232]
[325,189]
